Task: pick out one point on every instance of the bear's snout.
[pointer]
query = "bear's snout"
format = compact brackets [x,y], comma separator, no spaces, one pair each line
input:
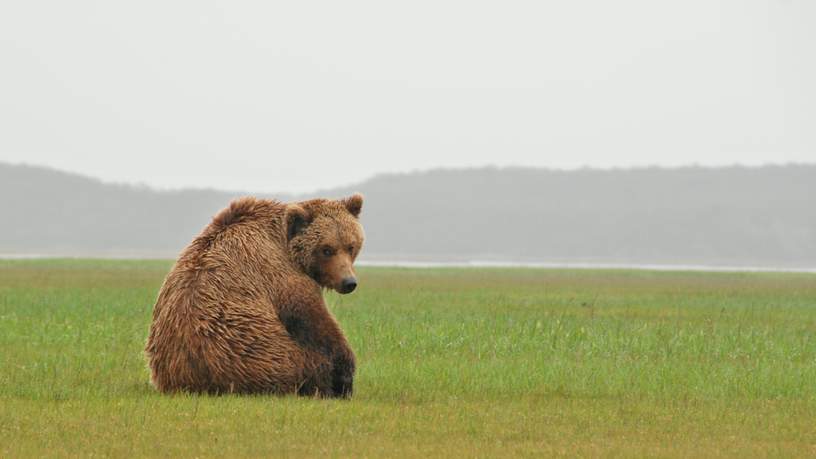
[348,285]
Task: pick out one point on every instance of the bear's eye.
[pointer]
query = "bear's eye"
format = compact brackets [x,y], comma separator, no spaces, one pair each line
[327,251]
[351,249]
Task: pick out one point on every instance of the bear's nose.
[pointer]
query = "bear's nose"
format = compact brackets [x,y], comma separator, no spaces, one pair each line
[348,285]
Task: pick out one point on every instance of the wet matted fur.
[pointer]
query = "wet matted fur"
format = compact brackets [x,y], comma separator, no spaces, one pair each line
[242,309]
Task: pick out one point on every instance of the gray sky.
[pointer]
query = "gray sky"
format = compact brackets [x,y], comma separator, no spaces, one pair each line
[294,96]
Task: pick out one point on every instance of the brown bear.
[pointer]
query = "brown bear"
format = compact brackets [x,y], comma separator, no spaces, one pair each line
[242,309]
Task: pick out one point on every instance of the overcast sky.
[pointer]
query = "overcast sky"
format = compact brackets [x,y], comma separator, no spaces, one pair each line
[295,96]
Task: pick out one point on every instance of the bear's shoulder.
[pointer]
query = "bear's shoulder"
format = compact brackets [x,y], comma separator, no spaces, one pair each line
[243,209]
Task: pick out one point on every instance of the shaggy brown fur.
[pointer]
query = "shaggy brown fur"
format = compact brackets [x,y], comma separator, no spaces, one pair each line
[242,309]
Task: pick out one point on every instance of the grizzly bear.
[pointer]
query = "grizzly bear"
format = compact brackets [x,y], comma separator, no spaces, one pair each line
[242,309]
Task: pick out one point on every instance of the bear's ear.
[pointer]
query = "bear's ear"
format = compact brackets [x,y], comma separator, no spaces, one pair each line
[353,203]
[297,219]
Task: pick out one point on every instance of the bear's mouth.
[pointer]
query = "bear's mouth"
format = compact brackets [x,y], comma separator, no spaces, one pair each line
[318,276]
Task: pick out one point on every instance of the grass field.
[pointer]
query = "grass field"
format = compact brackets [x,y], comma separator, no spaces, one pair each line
[452,362]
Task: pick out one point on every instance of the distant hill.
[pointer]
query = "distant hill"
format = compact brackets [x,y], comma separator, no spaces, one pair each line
[722,216]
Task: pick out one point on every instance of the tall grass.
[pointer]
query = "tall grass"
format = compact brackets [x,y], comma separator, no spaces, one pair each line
[475,362]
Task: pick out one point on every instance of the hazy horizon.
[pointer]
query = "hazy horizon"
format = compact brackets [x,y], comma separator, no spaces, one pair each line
[729,216]
[318,189]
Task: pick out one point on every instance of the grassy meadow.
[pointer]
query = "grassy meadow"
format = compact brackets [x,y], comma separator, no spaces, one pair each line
[452,362]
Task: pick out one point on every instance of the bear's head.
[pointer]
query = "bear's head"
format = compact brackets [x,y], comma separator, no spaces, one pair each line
[324,238]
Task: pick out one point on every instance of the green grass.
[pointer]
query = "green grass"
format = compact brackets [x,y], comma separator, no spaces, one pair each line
[452,362]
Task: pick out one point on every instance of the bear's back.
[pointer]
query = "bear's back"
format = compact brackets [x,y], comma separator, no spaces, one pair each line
[217,304]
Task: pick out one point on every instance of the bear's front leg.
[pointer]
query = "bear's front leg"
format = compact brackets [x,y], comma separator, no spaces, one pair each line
[313,327]
[342,376]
